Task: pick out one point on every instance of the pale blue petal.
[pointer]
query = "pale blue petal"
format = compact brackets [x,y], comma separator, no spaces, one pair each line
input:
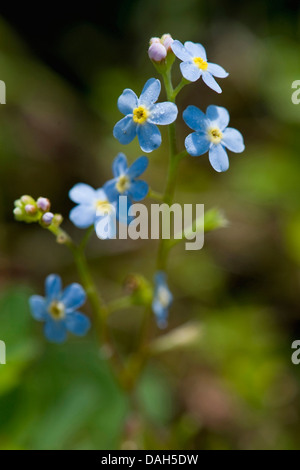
[111,190]
[38,307]
[138,190]
[195,49]
[163,113]
[150,92]
[83,215]
[190,71]
[211,82]
[138,167]
[149,137]
[77,323]
[197,144]
[123,207]
[217,70]
[233,140]
[82,193]
[127,101]
[195,118]
[119,165]
[101,195]
[218,116]
[125,130]
[180,51]
[55,331]
[218,158]
[73,296]
[53,287]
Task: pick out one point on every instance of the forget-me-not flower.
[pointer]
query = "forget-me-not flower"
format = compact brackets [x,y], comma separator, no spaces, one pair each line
[94,208]
[58,309]
[194,64]
[212,135]
[162,299]
[125,182]
[142,116]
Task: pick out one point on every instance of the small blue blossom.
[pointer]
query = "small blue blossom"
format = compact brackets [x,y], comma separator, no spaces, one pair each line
[212,135]
[195,64]
[125,182]
[142,115]
[162,299]
[94,208]
[58,310]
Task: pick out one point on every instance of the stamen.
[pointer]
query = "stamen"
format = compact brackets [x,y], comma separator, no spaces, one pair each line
[140,114]
[201,64]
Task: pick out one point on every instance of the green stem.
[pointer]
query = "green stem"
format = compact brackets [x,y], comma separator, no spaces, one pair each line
[179,87]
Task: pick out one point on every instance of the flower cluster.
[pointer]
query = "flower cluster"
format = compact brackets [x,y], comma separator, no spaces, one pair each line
[29,210]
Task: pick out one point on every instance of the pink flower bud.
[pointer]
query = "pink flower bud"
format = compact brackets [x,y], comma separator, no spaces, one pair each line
[43,204]
[30,209]
[157,52]
[153,41]
[47,218]
[167,41]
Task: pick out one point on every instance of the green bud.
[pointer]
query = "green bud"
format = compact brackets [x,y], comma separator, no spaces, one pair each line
[139,288]
[26,210]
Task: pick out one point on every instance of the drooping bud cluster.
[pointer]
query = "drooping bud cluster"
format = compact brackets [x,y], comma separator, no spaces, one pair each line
[139,288]
[30,210]
[160,51]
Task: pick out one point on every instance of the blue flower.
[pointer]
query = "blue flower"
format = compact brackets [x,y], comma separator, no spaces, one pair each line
[124,182]
[58,309]
[162,299]
[212,135]
[95,208]
[195,64]
[142,115]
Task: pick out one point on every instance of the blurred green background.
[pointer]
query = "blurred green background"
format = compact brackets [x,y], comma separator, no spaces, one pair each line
[236,388]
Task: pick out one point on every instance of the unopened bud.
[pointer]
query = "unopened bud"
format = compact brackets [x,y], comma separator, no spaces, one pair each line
[18,211]
[153,41]
[27,200]
[30,209]
[157,52]
[167,41]
[43,204]
[57,220]
[47,218]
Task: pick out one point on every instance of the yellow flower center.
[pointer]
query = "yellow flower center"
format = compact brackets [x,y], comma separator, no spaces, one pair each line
[57,310]
[163,296]
[103,207]
[140,114]
[123,183]
[200,63]
[215,135]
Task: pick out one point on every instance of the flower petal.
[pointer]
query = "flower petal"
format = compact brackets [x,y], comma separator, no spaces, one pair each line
[163,113]
[218,116]
[73,296]
[195,49]
[138,167]
[217,70]
[38,307]
[125,130]
[55,331]
[127,101]
[77,323]
[150,92]
[197,144]
[180,51]
[190,71]
[53,287]
[111,190]
[233,140]
[160,313]
[138,190]
[105,226]
[83,215]
[211,82]
[195,118]
[119,165]
[82,193]
[218,158]
[149,137]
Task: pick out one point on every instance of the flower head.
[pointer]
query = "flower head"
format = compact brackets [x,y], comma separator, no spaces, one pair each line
[162,299]
[58,309]
[212,135]
[125,182]
[194,64]
[142,115]
[94,208]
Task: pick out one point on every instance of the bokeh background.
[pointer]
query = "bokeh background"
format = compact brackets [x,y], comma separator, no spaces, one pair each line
[236,388]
